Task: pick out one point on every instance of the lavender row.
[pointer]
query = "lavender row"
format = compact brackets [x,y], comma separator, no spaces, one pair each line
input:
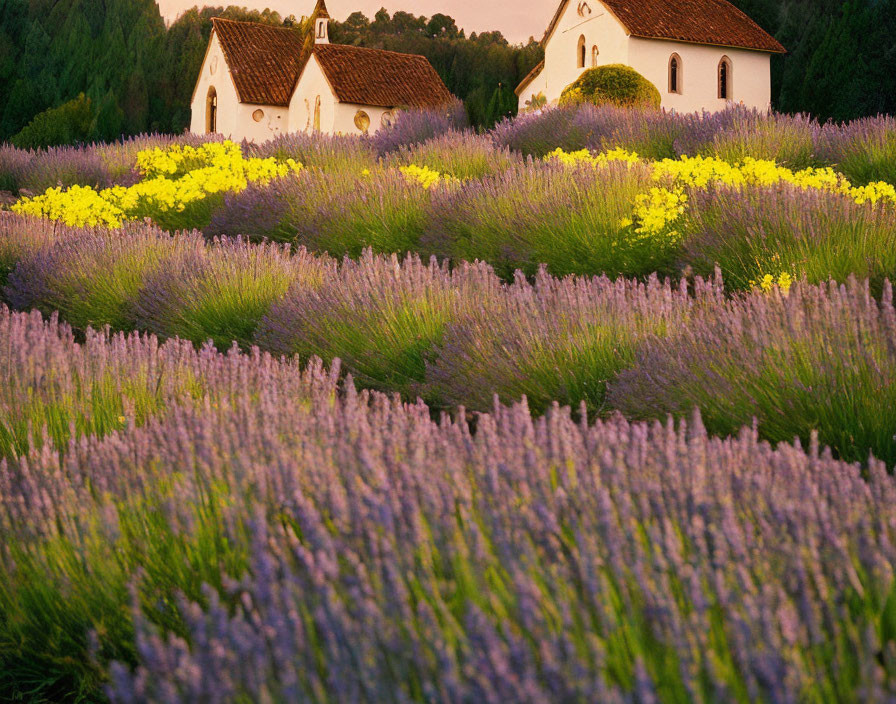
[460,336]
[402,325]
[54,389]
[295,544]
[96,165]
[575,220]
[864,150]
[817,359]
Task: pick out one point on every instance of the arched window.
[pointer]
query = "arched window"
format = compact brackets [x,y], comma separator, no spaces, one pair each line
[580,52]
[211,111]
[594,54]
[725,78]
[675,74]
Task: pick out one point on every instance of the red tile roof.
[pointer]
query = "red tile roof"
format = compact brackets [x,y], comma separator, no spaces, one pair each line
[531,76]
[265,61]
[715,22]
[381,78]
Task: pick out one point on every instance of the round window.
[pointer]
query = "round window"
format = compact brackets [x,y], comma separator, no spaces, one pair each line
[362,120]
[388,119]
[257,115]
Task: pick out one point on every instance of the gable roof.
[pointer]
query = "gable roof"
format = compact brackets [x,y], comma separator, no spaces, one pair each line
[531,76]
[381,78]
[715,22]
[264,61]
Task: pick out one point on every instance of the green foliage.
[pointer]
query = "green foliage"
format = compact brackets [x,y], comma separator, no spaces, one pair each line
[140,75]
[574,220]
[613,84]
[819,236]
[70,123]
[840,55]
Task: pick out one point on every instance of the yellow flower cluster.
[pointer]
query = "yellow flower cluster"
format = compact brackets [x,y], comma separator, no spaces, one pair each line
[656,210]
[78,206]
[583,156]
[701,171]
[425,176]
[769,282]
[179,159]
[211,168]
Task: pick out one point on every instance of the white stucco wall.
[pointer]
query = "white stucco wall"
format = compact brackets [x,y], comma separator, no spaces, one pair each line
[561,67]
[345,118]
[214,73]
[750,81]
[312,83]
[237,120]
[234,119]
[335,117]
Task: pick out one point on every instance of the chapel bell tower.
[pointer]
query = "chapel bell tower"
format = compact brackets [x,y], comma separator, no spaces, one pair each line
[321,23]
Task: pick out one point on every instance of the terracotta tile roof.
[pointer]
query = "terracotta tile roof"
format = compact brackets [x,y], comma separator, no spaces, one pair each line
[381,78]
[531,76]
[265,61]
[716,22]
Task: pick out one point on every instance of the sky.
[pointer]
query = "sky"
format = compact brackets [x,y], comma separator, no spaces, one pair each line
[515,19]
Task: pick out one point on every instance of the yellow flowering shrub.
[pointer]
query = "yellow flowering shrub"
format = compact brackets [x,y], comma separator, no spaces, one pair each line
[584,156]
[656,210]
[77,206]
[426,177]
[174,178]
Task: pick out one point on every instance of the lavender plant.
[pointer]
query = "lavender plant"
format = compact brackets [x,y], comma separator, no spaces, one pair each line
[13,167]
[64,166]
[93,276]
[791,140]
[818,359]
[463,155]
[573,219]
[258,212]
[559,340]
[220,293]
[346,546]
[417,126]
[864,150]
[328,153]
[811,234]
[339,213]
[64,586]
[652,134]
[21,237]
[379,315]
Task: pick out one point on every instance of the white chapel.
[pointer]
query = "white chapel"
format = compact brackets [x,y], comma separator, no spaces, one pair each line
[700,54]
[258,81]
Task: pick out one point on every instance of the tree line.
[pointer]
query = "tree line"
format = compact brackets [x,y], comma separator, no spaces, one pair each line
[76,71]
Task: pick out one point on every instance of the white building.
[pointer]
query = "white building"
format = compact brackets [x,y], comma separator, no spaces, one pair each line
[700,54]
[258,81]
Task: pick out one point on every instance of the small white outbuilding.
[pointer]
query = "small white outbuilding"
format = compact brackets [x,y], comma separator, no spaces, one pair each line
[259,81]
[701,54]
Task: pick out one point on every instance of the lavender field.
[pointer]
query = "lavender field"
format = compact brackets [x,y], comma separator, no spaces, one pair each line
[597,406]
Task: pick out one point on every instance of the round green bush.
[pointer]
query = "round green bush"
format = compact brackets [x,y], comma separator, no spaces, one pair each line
[614,84]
